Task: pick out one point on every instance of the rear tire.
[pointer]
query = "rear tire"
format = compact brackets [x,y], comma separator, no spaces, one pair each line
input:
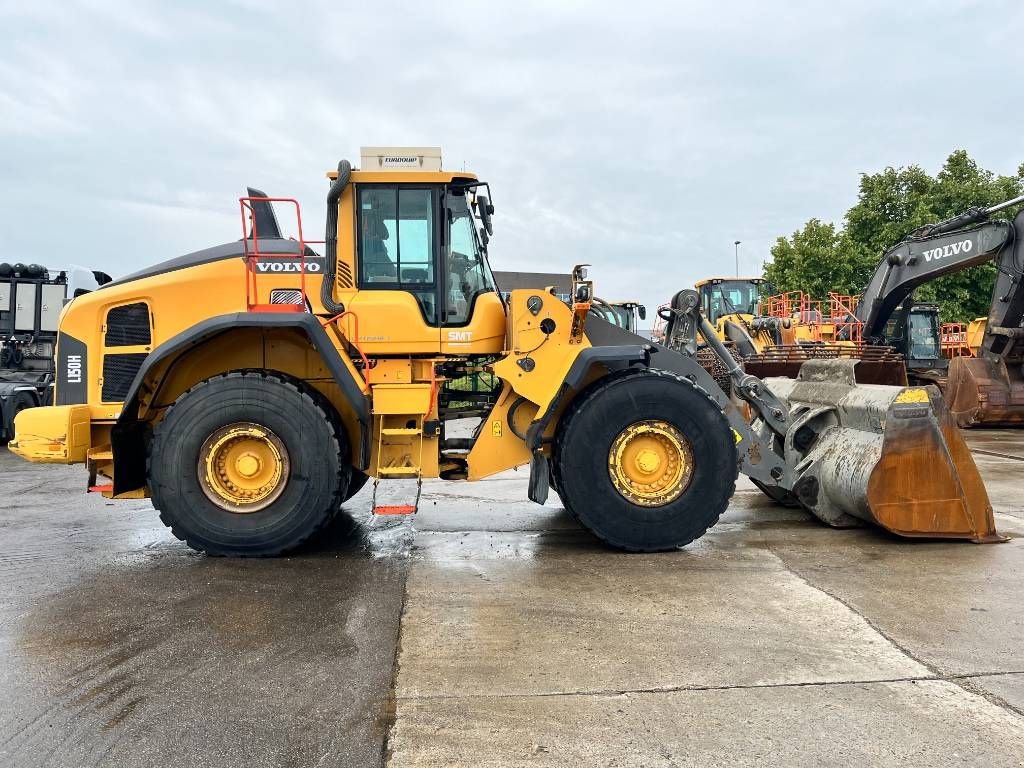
[586,450]
[307,492]
[18,402]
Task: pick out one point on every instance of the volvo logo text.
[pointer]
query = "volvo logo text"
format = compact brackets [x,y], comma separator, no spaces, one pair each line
[286,266]
[954,249]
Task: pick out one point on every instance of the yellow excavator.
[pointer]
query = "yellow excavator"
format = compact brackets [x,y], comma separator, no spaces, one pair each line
[251,388]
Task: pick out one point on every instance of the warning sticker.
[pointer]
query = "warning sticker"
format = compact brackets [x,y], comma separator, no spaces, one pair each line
[912,396]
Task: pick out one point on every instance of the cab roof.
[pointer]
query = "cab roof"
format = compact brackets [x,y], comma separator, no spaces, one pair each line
[723,279]
[407,177]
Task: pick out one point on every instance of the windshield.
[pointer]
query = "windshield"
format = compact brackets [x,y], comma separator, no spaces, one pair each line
[924,336]
[615,314]
[468,273]
[730,297]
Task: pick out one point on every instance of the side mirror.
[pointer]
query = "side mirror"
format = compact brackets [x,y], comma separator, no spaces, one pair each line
[485,209]
[484,237]
[642,310]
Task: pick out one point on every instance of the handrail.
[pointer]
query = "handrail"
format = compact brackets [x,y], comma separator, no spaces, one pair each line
[353,341]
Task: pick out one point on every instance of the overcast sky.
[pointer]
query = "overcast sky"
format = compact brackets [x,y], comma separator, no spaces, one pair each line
[643,138]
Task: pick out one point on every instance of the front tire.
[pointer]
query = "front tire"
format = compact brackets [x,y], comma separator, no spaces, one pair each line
[248,464]
[646,461]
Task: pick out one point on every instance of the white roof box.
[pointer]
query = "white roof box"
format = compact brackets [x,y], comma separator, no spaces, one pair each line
[400,158]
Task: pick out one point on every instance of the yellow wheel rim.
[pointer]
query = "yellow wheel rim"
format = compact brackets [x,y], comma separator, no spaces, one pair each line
[650,463]
[243,467]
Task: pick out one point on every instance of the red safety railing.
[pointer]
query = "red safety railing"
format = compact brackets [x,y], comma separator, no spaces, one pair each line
[352,336]
[841,314]
[953,340]
[253,256]
[658,331]
[795,305]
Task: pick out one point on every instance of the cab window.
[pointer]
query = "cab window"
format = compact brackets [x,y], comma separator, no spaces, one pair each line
[397,235]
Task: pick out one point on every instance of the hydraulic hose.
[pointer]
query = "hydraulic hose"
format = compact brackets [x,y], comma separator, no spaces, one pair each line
[331,239]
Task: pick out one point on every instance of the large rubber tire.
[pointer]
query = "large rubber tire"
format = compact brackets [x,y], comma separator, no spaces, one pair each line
[18,402]
[320,466]
[585,437]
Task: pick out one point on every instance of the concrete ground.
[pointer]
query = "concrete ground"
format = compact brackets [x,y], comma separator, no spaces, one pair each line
[489,631]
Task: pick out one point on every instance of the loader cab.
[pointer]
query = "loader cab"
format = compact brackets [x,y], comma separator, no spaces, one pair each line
[420,277]
[729,296]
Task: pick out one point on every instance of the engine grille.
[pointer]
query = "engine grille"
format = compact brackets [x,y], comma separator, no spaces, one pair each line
[286,296]
[118,374]
[128,326]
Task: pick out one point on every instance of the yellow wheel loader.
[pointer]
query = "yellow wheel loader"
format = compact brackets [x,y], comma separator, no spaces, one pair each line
[251,388]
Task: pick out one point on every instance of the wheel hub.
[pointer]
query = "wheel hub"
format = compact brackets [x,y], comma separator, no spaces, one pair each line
[650,463]
[243,467]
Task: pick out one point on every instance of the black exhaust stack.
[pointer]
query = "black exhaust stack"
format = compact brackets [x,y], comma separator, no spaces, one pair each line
[331,239]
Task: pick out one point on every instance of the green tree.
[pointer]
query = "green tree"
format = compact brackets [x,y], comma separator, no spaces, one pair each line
[816,259]
[891,204]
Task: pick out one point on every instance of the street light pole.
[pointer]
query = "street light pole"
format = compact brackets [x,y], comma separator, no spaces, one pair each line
[737,244]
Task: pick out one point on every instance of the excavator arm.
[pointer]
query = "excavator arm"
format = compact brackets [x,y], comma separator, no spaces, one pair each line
[925,256]
[989,389]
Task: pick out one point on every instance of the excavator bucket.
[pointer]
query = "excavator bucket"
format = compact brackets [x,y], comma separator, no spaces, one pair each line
[887,455]
[985,393]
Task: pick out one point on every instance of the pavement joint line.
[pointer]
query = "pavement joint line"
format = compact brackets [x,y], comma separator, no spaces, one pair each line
[704,688]
[997,454]
[392,700]
[961,680]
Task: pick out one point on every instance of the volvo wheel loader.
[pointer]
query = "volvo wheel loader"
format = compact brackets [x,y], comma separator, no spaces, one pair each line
[251,388]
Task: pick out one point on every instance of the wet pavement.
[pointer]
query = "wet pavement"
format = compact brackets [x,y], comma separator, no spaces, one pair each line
[490,631]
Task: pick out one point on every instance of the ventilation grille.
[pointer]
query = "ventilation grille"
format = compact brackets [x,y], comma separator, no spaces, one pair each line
[118,374]
[286,296]
[128,326]
[344,275]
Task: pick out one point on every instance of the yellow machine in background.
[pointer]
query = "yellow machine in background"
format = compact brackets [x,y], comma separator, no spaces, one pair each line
[251,388]
[963,339]
[731,306]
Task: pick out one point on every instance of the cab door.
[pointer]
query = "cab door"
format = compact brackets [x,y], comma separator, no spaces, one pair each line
[472,313]
[399,241]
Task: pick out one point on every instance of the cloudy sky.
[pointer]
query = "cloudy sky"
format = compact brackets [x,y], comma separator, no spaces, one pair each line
[643,138]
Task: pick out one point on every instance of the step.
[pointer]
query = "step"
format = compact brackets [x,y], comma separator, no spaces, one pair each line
[401,431]
[404,471]
[395,509]
[397,494]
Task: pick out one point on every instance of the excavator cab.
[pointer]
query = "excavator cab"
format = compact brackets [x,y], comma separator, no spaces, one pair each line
[913,331]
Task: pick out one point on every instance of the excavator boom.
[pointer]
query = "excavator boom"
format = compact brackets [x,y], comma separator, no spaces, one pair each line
[987,389]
